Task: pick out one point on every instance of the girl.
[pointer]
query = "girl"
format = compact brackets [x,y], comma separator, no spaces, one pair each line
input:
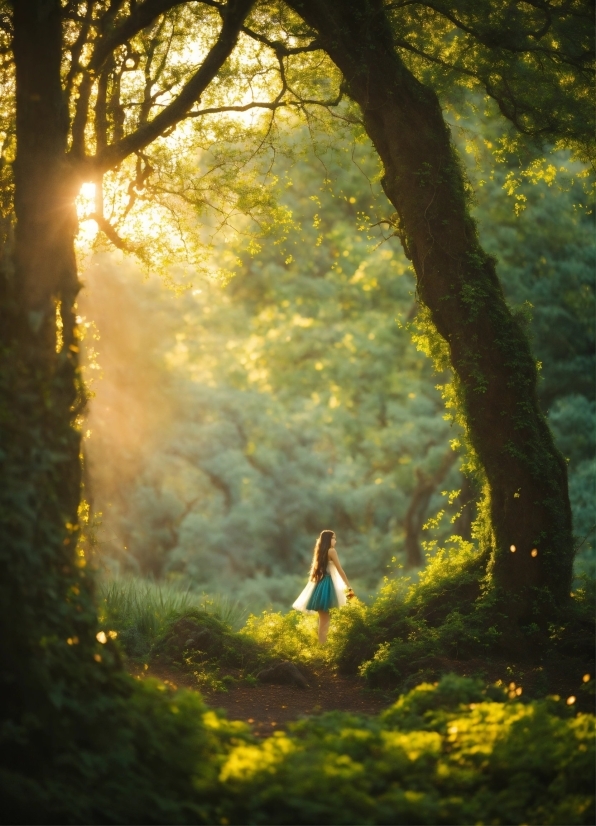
[325,589]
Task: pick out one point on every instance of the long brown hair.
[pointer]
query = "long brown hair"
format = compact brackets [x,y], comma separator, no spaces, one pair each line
[320,556]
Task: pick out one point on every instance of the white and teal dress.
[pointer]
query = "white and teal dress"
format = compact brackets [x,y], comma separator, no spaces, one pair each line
[328,592]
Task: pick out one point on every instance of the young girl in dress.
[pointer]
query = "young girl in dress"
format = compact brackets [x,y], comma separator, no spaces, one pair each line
[325,588]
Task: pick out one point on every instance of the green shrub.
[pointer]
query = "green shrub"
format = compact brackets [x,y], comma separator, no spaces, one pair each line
[140,610]
[139,753]
[291,636]
[202,644]
[447,753]
[412,631]
[442,754]
[408,623]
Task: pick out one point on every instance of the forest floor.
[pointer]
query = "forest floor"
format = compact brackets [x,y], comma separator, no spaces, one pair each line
[268,708]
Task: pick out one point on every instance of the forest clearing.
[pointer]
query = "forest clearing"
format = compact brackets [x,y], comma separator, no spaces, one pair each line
[297,412]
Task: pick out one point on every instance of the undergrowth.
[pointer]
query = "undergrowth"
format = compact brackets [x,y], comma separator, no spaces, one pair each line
[408,632]
[416,631]
[442,754]
[451,752]
[411,633]
[140,610]
[204,646]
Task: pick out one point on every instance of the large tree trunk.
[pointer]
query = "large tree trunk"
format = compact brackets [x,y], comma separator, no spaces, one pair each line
[495,372]
[46,614]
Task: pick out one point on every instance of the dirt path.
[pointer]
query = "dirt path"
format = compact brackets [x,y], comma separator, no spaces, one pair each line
[268,708]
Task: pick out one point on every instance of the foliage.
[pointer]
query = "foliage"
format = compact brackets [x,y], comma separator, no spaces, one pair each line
[137,754]
[201,644]
[415,631]
[139,610]
[288,636]
[518,55]
[400,638]
[443,753]
[288,401]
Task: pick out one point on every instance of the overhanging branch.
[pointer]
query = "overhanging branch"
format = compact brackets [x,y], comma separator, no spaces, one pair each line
[142,16]
[280,48]
[233,17]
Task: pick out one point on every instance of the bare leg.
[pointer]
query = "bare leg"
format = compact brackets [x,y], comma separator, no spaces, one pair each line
[324,619]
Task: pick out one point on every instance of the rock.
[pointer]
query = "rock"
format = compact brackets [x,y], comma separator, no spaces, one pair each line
[203,640]
[284,673]
[186,634]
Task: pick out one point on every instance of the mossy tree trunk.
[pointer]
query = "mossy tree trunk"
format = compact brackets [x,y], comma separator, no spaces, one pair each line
[47,619]
[494,370]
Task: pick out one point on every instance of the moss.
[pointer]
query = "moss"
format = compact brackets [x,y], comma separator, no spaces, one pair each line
[202,645]
[418,631]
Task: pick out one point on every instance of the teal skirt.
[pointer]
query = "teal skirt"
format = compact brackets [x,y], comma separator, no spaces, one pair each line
[323,597]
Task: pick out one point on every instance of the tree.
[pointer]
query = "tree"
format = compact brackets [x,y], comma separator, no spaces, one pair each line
[530,541]
[54,57]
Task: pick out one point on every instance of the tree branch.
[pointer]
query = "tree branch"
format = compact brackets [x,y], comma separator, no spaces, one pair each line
[142,16]
[216,110]
[233,16]
[77,49]
[280,48]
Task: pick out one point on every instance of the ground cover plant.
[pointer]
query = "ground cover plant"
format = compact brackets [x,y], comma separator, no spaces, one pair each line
[444,753]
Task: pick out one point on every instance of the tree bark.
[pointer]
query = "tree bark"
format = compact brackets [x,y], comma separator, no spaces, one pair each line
[494,370]
[44,598]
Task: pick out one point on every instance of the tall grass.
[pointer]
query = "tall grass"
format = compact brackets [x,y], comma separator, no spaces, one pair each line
[140,609]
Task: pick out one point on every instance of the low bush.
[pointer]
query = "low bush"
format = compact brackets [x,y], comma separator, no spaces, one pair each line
[442,754]
[413,631]
[291,636]
[138,753]
[201,644]
[140,610]
[396,640]
[452,752]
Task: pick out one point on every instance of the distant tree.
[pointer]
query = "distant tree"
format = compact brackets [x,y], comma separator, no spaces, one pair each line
[291,398]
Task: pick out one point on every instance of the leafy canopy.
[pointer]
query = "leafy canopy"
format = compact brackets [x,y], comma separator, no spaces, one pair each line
[176,109]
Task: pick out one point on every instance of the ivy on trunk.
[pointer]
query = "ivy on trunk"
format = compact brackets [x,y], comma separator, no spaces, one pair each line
[44,590]
[528,518]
